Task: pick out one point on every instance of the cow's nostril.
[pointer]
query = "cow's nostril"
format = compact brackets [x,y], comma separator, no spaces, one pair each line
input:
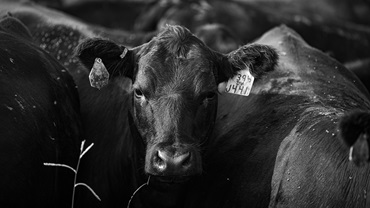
[161,165]
[160,161]
[162,155]
[163,159]
[183,160]
[174,163]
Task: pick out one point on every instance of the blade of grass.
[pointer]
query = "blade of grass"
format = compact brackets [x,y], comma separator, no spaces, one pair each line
[88,187]
[140,187]
[60,165]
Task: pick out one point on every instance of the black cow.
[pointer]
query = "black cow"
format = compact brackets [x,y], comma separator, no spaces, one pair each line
[344,40]
[160,124]
[39,123]
[356,11]
[279,146]
[59,33]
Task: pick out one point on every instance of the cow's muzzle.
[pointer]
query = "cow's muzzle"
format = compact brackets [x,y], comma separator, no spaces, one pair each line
[173,161]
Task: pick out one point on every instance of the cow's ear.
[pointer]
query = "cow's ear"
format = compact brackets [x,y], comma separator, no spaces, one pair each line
[352,125]
[259,59]
[354,131]
[105,60]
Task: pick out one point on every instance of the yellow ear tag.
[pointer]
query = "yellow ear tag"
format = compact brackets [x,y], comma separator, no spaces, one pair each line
[99,75]
[240,84]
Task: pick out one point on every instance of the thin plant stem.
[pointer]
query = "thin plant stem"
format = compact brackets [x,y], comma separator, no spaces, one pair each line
[75,184]
[132,196]
[77,167]
[60,165]
[88,187]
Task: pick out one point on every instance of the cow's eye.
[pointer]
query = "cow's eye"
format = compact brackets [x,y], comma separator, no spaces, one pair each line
[138,93]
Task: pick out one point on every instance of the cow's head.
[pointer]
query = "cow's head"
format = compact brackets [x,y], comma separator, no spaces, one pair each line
[175,80]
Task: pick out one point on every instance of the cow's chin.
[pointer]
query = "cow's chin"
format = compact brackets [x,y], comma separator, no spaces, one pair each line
[170,180]
[166,191]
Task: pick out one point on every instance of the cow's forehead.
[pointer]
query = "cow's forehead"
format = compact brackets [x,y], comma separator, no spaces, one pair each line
[169,74]
[176,60]
[175,45]
[162,60]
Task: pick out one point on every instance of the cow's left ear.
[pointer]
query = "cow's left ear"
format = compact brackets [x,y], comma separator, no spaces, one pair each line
[259,59]
[105,60]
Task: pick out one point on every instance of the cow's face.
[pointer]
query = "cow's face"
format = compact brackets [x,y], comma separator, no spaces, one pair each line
[175,80]
[175,96]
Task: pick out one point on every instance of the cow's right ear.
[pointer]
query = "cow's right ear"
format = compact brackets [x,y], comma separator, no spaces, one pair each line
[257,59]
[105,60]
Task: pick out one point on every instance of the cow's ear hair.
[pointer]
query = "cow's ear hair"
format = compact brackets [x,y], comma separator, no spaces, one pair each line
[260,59]
[116,59]
[352,125]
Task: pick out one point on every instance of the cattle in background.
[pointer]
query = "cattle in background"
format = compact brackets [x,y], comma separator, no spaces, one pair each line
[355,11]
[161,123]
[362,69]
[343,40]
[111,14]
[347,42]
[39,123]
[279,146]
[156,10]
[241,20]
[354,130]
[59,33]
[218,37]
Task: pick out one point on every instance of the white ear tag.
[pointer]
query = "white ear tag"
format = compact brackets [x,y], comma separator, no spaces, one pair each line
[99,75]
[240,84]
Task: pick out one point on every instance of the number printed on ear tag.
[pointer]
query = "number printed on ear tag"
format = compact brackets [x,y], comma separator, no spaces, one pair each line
[240,84]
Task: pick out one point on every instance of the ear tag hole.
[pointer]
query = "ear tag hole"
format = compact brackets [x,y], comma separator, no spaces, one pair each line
[99,75]
[241,83]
